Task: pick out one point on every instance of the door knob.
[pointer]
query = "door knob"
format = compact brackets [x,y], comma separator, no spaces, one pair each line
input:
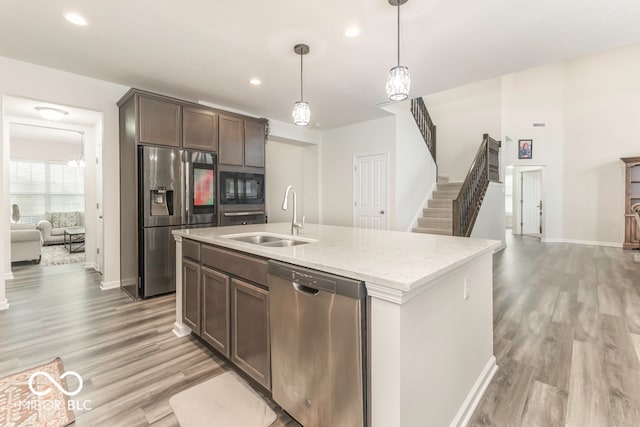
[381,212]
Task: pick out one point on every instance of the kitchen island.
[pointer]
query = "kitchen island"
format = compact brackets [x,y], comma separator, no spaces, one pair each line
[429,306]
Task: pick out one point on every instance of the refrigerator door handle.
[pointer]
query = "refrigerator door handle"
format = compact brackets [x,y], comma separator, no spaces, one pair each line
[187,190]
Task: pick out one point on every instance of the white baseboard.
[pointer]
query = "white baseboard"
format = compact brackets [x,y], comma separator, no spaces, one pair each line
[8,276]
[110,285]
[475,394]
[180,330]
[91,265]
[4,304]
[583,242]
[414,221]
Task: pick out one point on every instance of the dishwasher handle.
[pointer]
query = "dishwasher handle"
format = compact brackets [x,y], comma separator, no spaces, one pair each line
[305,289]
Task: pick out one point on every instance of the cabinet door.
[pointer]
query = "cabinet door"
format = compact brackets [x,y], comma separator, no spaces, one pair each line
[215,310]
[251,350]
[253,143]
[160,121]
[191,295]
[231,141]
[199,129]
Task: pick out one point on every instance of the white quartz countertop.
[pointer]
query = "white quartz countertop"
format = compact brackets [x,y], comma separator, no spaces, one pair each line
[398,260]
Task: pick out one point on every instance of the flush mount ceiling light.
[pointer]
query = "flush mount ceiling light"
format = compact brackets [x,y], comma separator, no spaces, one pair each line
[399,80]
[301,111]
[255,82]
[49,113]
[76,19]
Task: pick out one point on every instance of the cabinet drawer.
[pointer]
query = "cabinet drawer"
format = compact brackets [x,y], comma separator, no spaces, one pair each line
[247,267]
[191,249]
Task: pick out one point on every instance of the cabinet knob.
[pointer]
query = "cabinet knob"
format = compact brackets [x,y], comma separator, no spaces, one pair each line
[382,212]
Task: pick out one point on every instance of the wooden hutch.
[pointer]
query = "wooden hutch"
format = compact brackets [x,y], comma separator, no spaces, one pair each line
[631,197]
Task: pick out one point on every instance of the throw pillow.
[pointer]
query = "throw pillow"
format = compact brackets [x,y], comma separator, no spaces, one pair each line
[64,219]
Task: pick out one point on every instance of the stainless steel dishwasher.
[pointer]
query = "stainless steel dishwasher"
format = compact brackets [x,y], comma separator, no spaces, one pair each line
[317,345]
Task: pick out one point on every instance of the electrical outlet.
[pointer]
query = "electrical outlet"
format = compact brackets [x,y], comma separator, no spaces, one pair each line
[465,293]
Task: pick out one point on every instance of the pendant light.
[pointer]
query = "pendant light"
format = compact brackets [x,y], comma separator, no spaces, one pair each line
[399,80]
[301,111]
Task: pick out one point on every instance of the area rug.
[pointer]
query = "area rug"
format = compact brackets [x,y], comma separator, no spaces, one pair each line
[58,255]
[224,401]
[20,407]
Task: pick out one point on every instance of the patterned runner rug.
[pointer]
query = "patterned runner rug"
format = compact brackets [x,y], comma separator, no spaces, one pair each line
[20,407]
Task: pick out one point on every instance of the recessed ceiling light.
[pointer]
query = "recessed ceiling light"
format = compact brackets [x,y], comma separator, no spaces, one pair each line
[255,82]
[352,32]
[76,19]
[49,113]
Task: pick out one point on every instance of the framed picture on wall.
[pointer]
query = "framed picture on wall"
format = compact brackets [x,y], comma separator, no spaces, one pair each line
[525,148]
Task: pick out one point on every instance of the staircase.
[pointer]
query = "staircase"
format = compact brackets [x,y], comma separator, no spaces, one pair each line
[437,217]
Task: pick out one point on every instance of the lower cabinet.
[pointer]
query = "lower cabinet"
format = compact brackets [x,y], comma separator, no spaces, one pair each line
[215,310]
[191,303]
[251,345]
[228,312]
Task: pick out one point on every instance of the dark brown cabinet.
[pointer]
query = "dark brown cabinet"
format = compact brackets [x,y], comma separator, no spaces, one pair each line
[225,301]
[250,342]
[215,310]
[231,141]
[160,121]
[199,129]
[191,302]
[254,144]
[631,202]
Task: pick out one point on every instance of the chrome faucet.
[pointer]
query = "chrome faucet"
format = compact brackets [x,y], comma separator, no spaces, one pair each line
[295,225]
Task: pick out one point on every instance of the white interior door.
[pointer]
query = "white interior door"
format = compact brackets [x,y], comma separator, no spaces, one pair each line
[531,202]
[370,191]
[99,209]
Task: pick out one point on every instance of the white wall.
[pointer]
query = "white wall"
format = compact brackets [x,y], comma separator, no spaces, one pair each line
[537,96]
[339,146]
[602,116]
[46,84]
[462,116]
[297,165]
[416,172]
[490,220]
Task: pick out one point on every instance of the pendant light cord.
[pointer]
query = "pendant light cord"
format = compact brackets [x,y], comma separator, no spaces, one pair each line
[398,33]
[301,86]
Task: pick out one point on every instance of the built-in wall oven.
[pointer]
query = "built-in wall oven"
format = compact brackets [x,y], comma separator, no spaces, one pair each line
[241,198]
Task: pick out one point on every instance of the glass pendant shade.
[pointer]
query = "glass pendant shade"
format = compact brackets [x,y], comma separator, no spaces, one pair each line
[398,83]
[301,113]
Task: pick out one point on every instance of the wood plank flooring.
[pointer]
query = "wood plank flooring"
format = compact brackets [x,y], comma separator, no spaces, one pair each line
[125,351]
[566,337]
[566,325]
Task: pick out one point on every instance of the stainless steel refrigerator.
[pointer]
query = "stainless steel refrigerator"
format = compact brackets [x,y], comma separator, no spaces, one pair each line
[175,189]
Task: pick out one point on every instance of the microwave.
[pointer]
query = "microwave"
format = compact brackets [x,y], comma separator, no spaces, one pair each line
[239,188]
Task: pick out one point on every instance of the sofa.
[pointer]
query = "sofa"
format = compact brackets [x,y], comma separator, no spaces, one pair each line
[26,243]
[52,227]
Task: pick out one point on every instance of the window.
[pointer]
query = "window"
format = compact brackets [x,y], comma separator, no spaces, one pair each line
[43,186]
[508,192]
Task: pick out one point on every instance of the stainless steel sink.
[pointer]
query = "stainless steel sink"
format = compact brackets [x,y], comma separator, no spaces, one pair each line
[284,243]
[257,239]
[269,239]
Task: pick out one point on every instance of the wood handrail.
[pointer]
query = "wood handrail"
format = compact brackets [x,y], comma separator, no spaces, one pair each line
[425,124]
[484,169]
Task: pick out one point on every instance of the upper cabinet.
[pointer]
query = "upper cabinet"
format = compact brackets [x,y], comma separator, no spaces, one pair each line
[148,118]
[241,142]
[199,129]
[231,141]
[160,121]
[254,134]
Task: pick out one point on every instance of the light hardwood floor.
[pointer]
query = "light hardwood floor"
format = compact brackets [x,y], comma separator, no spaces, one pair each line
[125,351]
[566,337]
[566,325]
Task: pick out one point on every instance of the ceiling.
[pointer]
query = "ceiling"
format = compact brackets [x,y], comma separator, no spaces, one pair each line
[26,133]
[208,50]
